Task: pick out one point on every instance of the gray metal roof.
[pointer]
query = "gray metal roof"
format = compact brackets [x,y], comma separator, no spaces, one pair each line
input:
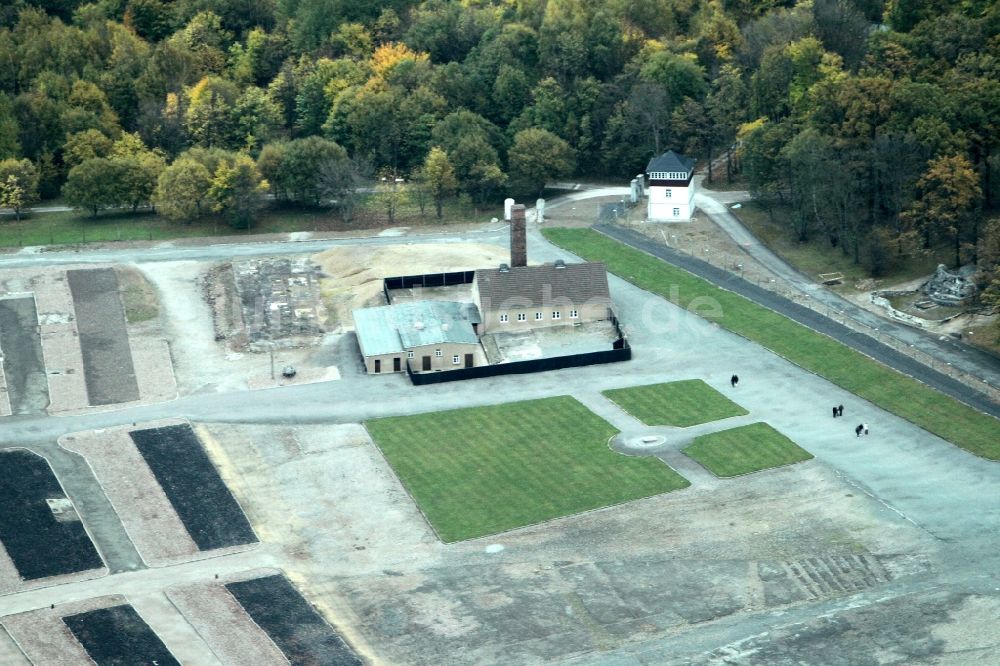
[547,285]
[670,161]
[392,329]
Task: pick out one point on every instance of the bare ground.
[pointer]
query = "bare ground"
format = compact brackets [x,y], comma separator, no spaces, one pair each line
[223,623]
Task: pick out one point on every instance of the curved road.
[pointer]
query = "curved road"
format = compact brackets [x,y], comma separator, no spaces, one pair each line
[966,358]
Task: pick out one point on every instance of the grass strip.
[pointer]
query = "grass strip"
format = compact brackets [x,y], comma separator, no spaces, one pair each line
[484,470]
[746,449]
[904,396]
[684,403]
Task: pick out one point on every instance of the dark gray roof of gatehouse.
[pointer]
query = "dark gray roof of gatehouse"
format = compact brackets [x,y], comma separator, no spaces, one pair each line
[670,161]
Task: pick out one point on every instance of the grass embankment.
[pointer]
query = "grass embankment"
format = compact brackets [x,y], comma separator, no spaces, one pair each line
[942,415]
[682,404]
[75,227]
[750,448]
[817,256]
[485,470]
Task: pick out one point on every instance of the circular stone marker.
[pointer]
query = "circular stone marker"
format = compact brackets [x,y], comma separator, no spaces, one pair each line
[493,548]
[646,442]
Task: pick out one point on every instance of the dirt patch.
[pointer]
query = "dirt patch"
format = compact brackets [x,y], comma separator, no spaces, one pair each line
[219,619]
[107,359]
[354,273]
[45,638]
[138,296]
[23,369]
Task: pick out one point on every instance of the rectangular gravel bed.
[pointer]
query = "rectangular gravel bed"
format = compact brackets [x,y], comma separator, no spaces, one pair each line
[39,545]
[294,626]
[201,499]
[100,321]
[23,366]
[117,636]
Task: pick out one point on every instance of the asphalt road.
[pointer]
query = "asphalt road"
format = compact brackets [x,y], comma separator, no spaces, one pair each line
[806,316]
[946,349]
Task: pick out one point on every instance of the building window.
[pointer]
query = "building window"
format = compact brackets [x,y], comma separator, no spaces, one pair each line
[677,212]
[409,354]
[666,193]
[538,316]
[437,352]
[572,314]
[454,359]
[522,317]
[556,314]
[503,319]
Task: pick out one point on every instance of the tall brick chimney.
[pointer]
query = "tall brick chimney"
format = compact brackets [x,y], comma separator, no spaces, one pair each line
[518,241]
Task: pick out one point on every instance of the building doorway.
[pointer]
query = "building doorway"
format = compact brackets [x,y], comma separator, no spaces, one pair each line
[469,361]
[426,363]
[378,365]
[396,367]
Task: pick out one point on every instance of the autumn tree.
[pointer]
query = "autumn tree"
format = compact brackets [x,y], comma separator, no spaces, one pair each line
[948,198]
[237,191]
[439,177]
[536,157]
[182,190]
[18,185]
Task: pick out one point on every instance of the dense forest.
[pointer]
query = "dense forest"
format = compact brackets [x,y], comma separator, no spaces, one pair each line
[873,124]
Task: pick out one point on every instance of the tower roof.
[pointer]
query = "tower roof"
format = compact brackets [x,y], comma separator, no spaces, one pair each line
[670,161]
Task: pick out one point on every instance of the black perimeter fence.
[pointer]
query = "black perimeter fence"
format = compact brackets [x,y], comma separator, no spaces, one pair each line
[620,349]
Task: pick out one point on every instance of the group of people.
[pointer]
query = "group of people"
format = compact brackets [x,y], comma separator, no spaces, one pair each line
[860,428]
[837,411]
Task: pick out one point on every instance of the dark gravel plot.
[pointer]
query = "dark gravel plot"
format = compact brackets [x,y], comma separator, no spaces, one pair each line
[39,545]
[192,484]
[23,366]
[100,320]
[295,627]
[117,636]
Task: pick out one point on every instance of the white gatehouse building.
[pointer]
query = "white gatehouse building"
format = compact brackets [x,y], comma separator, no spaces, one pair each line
[668,179]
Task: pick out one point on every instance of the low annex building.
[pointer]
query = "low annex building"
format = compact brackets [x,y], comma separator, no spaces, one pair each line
[430,335]
[520,297]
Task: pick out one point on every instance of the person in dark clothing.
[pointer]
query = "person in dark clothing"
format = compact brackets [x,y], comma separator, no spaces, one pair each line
[840,410]
[834,412]
[857,430]
[734,380]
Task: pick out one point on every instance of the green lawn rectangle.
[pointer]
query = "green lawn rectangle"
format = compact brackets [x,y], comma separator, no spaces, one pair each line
[485,470]
[684,403]
[904,396]
[746,449]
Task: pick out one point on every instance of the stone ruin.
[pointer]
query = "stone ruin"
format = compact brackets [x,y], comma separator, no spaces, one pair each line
[951,287]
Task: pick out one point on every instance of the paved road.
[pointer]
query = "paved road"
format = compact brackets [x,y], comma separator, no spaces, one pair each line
[966,358]
[169,251]
[806,316]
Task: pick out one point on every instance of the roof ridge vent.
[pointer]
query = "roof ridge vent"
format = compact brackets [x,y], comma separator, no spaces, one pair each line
[504,268]
[559,263]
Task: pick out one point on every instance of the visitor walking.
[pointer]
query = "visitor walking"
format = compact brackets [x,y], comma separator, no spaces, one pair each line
[865,426]
[734,380]
[857,430]
[834,412]
[840,410]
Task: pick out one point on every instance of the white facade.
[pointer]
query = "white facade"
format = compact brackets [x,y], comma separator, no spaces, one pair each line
[670,203]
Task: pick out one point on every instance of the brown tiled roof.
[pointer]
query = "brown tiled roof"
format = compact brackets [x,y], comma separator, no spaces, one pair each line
[532,286]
